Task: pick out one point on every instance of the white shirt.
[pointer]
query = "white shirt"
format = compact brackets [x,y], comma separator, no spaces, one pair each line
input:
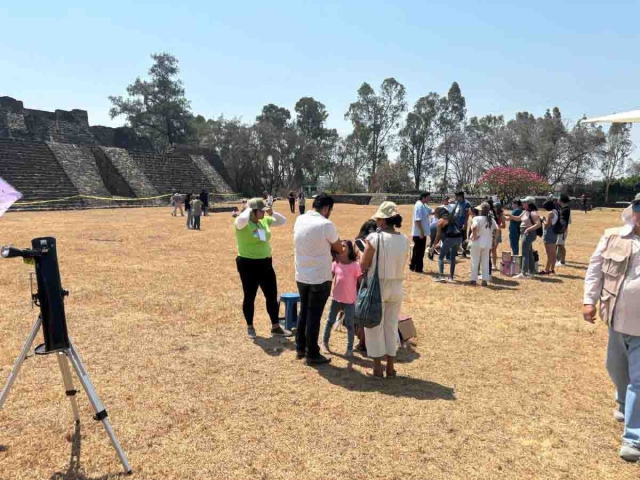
[485,235]
[449,207]
[393,255]
[421,214]
[628,303]
[312,238]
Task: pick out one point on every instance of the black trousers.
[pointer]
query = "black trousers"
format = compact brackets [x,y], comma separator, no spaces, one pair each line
[313,299]
[417,258]
[254,274]
[292,206]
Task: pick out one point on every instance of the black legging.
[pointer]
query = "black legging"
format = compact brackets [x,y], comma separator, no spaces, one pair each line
[292,205]
[254,274]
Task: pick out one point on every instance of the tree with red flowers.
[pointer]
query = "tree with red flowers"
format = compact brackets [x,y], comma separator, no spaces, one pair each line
[513,182]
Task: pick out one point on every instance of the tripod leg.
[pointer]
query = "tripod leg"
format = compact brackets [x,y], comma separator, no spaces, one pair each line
[16,367]
[101,412]
[68,384]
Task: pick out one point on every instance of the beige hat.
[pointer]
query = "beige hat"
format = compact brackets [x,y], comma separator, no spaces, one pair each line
[386,210]
[257,204]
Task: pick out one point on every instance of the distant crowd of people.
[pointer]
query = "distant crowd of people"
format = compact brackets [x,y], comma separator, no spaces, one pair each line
[195,206]
[457,227]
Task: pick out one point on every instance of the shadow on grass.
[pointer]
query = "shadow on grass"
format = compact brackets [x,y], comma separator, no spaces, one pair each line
[493,286]
[545,279]
[569,277]
[274,346]
[503,282]
[74,472]
[402,387]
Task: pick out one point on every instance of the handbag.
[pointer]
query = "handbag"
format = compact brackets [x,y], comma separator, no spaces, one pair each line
[369,302]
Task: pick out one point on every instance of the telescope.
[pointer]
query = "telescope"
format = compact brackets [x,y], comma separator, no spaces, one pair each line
[50,295]
[50,299]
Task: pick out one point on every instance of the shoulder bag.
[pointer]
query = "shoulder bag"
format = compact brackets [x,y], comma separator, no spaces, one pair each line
[369,302]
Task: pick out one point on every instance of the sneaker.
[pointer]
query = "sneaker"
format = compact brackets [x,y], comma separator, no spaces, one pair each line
[280,332]
[450,280]
[520,276]
[324,348]
[318,360]
[618,416]
[559,264]
[300,354]
[349,352]
[484,283]
[440,279]
[629,453]
[251,332]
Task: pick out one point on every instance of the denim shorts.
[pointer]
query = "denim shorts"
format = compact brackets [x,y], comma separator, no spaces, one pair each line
[549,236]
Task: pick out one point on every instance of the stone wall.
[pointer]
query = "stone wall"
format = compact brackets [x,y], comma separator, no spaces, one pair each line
[80,166]
[130,172]
[32,169]
[111,177]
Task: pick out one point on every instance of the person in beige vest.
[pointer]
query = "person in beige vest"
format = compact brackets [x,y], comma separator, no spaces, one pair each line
[613,282]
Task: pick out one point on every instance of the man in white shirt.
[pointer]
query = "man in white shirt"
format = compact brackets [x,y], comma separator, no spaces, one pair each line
[420,232]
[613,280]
[446,204]
[314,237]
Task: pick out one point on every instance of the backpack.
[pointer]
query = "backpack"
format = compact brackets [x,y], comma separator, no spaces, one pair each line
[452,230]
[561,225]
[539,230]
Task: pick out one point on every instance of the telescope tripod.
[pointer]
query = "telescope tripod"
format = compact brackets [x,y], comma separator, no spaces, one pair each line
[65,357]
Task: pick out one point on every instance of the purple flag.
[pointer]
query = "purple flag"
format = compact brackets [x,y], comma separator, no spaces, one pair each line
[8,195]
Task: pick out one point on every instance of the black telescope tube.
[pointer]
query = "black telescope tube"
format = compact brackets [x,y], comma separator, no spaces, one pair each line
[50,295]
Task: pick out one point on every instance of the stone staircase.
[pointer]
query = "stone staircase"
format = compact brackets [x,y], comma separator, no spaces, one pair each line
[132,174]
[124,168]
[171,172]
[81,168]
[219,185]
[31,168]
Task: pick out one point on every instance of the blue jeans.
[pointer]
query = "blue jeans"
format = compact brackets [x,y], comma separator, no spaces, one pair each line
[514,240]
[623,365]
[449,248]
[349,314]
[528,263]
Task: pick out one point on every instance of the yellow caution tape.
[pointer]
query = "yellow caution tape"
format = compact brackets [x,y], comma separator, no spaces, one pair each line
[116,199]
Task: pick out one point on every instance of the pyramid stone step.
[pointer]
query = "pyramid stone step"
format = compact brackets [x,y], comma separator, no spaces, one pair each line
[80,166]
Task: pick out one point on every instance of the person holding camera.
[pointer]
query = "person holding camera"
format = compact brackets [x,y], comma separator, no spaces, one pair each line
[613,280]
[451,235]
[254,262]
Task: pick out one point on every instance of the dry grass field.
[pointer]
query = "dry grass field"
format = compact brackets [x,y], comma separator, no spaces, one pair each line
[505,382]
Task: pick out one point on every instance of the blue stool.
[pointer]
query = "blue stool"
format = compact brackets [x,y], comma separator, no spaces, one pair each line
[290,301]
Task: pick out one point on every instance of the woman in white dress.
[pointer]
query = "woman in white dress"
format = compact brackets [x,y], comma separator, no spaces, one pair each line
[382,341]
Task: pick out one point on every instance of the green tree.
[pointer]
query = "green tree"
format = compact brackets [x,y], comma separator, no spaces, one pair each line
[615,154]
[418,137]
[157,108]
[376,117]
[451,114]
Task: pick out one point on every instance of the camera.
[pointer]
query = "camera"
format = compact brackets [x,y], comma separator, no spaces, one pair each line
[50,295]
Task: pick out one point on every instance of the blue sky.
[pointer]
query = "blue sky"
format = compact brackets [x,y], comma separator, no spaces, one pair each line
[237,56]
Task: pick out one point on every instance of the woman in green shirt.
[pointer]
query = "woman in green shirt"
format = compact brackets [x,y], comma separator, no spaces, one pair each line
[253,236]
